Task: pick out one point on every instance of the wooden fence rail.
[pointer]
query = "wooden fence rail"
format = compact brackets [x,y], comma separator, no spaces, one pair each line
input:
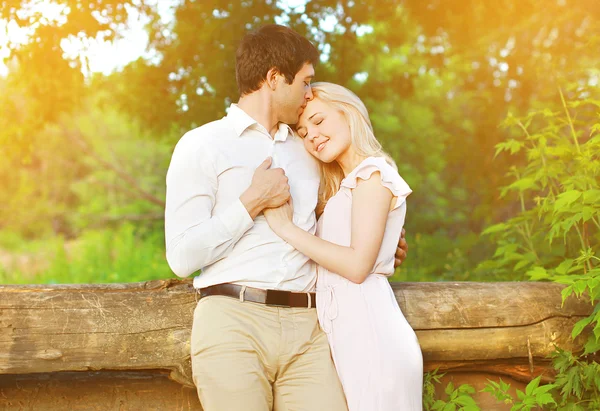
[126,346]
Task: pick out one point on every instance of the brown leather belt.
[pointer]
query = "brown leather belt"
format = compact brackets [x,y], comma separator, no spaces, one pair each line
[277,298]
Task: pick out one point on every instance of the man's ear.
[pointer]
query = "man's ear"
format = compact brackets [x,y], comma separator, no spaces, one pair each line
[273,78]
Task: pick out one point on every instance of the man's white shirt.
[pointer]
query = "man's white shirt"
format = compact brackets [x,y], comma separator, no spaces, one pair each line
[206,225]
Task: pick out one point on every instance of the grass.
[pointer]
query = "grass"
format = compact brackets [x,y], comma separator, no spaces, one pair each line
[126,254]
[132,253]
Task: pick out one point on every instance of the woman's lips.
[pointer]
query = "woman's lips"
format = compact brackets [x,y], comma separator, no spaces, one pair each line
[321,146]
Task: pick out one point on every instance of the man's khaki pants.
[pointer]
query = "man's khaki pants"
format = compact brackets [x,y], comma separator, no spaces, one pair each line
[252,357]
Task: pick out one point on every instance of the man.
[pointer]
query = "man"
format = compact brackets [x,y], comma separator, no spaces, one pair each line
[256,342]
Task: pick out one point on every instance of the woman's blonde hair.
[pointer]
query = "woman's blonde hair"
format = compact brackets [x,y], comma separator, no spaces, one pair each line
[361,135]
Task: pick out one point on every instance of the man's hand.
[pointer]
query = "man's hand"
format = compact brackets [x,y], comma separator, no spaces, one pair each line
[402,250]
[269,189]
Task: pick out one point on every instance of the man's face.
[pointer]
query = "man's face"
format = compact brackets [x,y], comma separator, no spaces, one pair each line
[290,99]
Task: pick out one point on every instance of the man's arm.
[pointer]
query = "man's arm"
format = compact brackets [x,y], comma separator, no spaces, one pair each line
[401,250]
[195,237]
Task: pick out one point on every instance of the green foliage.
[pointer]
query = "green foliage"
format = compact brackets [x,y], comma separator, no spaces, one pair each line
[43,84]
[437,81]
[499,390]
[430,379]
[555,236]
[557,230]
[95,168]
[576,387]
[125,254]
[439,257]
[534,396]
[89,206]
[458,399]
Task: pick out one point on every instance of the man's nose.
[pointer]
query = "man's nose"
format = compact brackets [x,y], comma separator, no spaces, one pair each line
[309,94]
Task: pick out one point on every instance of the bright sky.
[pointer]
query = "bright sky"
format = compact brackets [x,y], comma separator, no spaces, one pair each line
[104,56]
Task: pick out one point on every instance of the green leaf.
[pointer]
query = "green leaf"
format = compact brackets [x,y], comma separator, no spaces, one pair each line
[573,382]
[580,287]
[533,384]
[564,266]
[565,199]
[438,405]
[591,346]
[566,292]
[511,145]
[568,223]
[524,184]
[537,273]
[464,400]
[544,399]
[597,331]
[588,213]
[543,389]
[580,325]
[450,407]
[591,197]
[466,388]
[595,128]
[495,229]
[521,264]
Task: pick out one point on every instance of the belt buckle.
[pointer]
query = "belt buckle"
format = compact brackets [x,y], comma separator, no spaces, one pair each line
[277,298]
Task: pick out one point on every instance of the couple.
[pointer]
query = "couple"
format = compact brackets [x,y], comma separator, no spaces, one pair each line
[262,338]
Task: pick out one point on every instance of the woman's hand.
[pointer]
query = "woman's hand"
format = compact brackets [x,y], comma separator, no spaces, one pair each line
[280,218]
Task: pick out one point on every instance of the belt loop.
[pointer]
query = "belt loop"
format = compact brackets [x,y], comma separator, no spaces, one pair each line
[196,292]
[242,291]
[309,300]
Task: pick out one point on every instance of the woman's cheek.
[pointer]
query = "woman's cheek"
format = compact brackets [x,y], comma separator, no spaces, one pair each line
[307,145]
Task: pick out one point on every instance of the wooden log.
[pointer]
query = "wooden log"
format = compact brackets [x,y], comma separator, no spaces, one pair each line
[95,391]
[509,328]
[146,390]
[501,328]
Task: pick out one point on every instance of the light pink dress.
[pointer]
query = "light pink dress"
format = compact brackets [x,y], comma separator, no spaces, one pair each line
[375,350]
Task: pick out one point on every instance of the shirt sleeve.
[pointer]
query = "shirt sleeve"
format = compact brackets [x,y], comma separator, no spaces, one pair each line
[194,236]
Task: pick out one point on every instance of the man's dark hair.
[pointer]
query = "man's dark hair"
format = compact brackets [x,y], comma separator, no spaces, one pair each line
[268,47]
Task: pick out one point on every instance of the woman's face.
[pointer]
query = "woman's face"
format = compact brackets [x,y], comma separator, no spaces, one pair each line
[325,131]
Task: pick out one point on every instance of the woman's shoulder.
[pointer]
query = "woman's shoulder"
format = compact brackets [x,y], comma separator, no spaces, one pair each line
[390,177]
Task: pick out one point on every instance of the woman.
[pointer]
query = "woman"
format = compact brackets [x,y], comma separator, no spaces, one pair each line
[363,205]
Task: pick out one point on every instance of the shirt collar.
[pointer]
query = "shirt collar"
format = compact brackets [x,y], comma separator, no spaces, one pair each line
[283,132]
[242,121]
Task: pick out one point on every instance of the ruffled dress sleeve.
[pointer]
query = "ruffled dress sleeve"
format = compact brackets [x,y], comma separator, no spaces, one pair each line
[389,178]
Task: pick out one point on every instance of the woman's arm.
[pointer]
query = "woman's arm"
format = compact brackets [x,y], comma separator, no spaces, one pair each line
[370,207]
